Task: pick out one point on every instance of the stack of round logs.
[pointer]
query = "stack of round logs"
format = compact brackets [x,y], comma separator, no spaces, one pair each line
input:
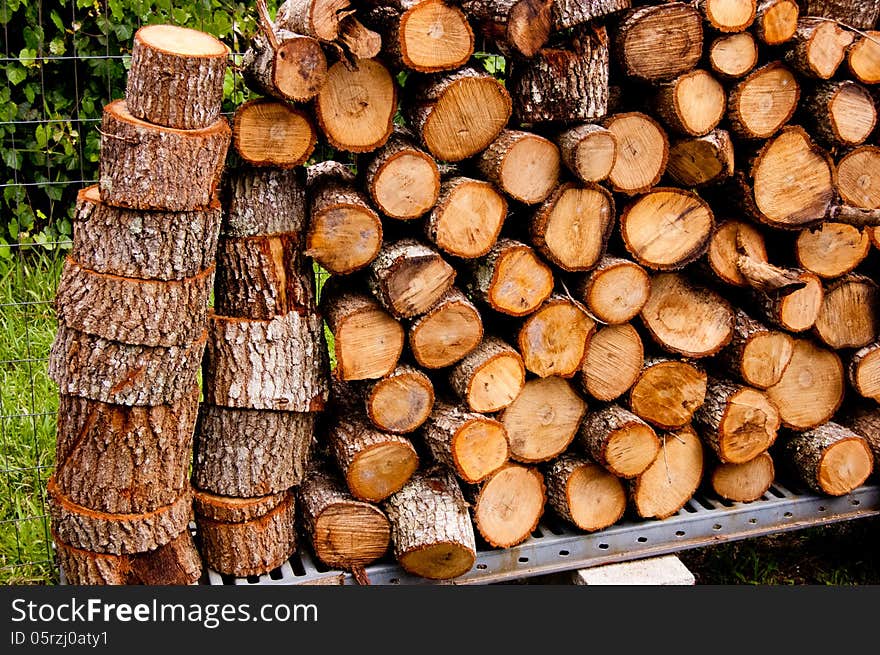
[132,309]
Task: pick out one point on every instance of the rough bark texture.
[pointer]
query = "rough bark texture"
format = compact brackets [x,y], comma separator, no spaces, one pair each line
[511,278]
[279,364]
[180,88]
[520,27]
[401,401]
[123,460]
[448,331]
[247,452]
[863,371]
[176,563]
[861,14]
[263,277]
[812,454]
[430,526]
[252,547]
[583,493]
[132,310]
[344,532]
[263,201]
[567,82]
[144,166]
[619,440]
[501,521]
[111,372]
[117,534]
[408,278]
[756,354]
[489,377]
[318,18]
[151,245]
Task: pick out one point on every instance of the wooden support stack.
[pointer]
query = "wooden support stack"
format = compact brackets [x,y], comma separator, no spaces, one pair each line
[132,308]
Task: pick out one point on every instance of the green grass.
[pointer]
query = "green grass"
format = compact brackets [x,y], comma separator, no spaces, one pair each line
[28,403]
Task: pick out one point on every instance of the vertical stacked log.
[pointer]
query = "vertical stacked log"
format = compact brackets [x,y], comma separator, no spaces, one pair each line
[132,309]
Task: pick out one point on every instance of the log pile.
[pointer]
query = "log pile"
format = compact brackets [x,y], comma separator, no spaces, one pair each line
[635,267]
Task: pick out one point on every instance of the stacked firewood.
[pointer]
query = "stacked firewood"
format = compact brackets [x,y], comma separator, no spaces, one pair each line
[132,307]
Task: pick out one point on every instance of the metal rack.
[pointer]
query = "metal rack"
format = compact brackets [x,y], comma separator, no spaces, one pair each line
[554,547]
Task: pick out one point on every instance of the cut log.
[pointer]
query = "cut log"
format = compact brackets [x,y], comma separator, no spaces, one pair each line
[401,401]
[766,278]
[759,105]
[176,77]
[584,493]
[458,115]
[619,440]
[840,113]
[375,464]
[850,313]
[615,291]
[737,422]
[704,160]
[145,166]
[612,362]
[756,355]
[731,240]
[345,233]
[344,532]
[863,57]
[511,279]
[467,218]
[317,18]
[509,505]
[854,216]
[734,55]
[858,177]
[401,179]
[490,377]
[431,529]
[123,460]
[408,278]
[117,534]
[254,545]
[746,482]
[543,419]
[776,21]
[150,245]
[673,478]
[564,82]
[248,452]
[588,150]
[692,104]
[728,15]
[262,277]
[793,180]
[263,201]
[832,250]
[864,371]
[358,41]
[278,364]
[176,563]
[865,422]
[796,311]
[447,332]
[668,392]
[572,226]
[284,65]
[131,310]
[355,107]
[120,374]
[367,340]
[471,444]
[642,152]
[831,459]
[811,389]
[519,26]
[269,132]
[687,319]
[643,56]
[861,14]
[523,165]
[818,47]
[426,37]
[553,339]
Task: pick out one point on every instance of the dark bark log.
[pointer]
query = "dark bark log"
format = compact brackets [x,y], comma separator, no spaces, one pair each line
[861,14]
[262,201]
[285,65]
[408,278]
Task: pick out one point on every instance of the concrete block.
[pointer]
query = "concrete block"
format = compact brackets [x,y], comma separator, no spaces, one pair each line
[665,570]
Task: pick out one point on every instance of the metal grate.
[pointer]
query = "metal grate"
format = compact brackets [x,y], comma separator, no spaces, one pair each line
[554,547]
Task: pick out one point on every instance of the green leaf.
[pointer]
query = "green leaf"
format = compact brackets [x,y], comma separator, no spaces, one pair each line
[56,46]
[28,57]
[41,136]
[56,20]
[5,250]
[30,92]
[15,74]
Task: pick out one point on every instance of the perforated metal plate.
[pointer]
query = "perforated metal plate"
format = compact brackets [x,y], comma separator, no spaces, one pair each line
[553,547]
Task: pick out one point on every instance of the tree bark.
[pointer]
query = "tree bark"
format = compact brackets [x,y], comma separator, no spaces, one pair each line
[490,377]
[818,47]
[519,27]
[861,14]
[831,459]
[317,18]
[584,493]
[612,362]
[247,452]
[841,114]
[672,479]
[796,311]
[270,132]
[504,524]
[448,331]
[865,421]
[668,392]
[619,440]
[553,340]
[263,201]
[511,278]
[408,278]
[145,166]
[756,354]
